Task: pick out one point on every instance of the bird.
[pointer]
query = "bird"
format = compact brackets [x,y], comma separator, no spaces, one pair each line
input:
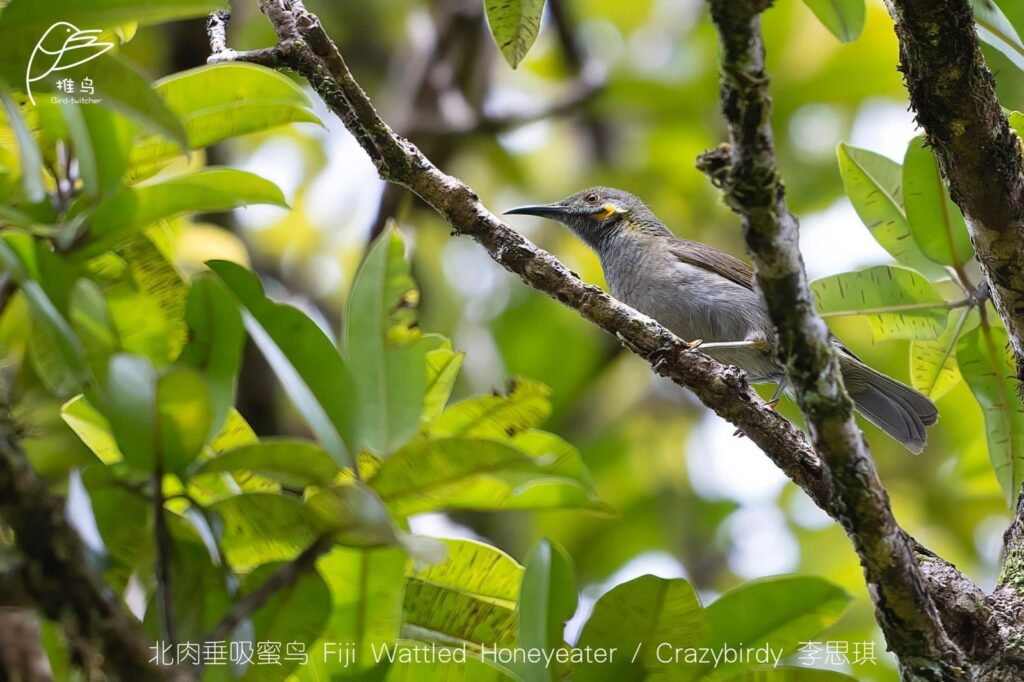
[62,46]
[703,294]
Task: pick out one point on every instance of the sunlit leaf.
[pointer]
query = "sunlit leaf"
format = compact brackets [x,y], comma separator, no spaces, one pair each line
[468,473]
[263,527]
[988,368]
[366,599]
[874,185]
[514,25]
[221,101]
[524,404]
[844,18]
[469,598]
[933,368]
[898,302]
[935,221]
[92,428]
[443,365]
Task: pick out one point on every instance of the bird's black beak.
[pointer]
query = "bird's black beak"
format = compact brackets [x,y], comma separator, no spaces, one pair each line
[542,210]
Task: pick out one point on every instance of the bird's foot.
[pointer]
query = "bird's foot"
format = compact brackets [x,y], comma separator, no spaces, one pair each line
[773,403]
[695,344]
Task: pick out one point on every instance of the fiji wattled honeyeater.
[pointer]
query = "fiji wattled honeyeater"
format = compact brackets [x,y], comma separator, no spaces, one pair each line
[699,292]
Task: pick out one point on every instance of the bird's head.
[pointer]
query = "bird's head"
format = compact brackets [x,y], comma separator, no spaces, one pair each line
[597,213]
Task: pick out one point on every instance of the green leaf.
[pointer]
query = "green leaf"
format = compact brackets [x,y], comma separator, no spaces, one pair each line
[158,280]
[443,365]
[29,157]
[935,221]
[996,30]
[100,143]
[296,613]
[308,365]
[639,616]
[468,473]
[215,343]
[779,612]
[263,527]
[1017,123]
[166,417]
[548,598]
[184,409]
[132,384]
[92,428]
[354,515]
[843,18]
[221,101]
[873,183]
[205,191]
[898,302]
[514,25]
[470,598]
[71,369]
[385,350]
[366,600]
[91,320]
[292,463]
[988,368]
[525,404]
[790,674]
[933,368]
[35,17]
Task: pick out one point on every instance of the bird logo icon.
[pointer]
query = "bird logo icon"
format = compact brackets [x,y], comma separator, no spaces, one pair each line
[63,46]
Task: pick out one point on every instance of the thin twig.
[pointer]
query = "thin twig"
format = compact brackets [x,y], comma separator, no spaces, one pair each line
[284,578]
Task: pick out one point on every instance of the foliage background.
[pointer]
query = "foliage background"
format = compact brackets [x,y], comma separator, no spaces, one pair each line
[692,501]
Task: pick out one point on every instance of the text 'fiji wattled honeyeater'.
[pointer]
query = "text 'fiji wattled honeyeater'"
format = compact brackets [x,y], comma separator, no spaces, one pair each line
[699,292]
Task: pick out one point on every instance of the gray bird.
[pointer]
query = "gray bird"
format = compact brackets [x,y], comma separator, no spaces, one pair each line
[701,293]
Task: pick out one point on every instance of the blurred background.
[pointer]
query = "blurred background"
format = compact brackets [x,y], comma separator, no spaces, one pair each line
[620,94]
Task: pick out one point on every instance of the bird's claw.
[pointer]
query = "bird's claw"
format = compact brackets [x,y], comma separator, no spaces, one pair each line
[695,344]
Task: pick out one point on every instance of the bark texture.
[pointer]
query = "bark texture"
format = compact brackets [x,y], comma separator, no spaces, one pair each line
[953,94]
[746,170]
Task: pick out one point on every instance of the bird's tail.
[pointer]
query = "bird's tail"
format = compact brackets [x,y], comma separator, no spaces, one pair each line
[897,409]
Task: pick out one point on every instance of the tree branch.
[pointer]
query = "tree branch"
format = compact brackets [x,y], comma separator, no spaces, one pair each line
[980,156]
[58,578]
[722,389]
[746,170]
[284,578]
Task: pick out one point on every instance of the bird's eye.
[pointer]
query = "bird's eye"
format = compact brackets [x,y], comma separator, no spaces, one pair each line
[592,198]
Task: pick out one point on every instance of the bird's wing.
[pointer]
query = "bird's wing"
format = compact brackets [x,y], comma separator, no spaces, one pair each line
[713,260]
